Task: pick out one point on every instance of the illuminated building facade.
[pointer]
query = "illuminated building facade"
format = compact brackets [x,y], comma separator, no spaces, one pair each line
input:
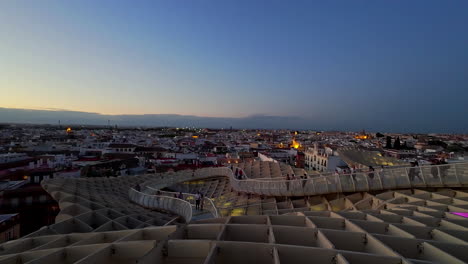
[322,160]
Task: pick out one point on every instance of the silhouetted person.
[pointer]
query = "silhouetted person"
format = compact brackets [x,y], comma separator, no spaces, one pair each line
[202,201]
[371,172]
[443,168]
[197,201]
[434,168]
[413,172]
[353,172]
[304,180]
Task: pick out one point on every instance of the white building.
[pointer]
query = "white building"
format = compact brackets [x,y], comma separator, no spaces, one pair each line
[323,160]
[120,148]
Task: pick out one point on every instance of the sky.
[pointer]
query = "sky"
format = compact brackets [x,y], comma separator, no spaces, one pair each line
[391,64]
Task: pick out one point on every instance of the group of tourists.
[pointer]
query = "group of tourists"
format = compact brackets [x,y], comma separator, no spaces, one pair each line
[293,177]
[199,199]
[436,170]
[353,171]
[443,168]
[290,178]
[413,172]
[179,195]
[238,174]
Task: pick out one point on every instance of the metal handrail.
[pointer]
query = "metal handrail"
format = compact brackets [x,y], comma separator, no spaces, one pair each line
[171,204]
[348,182]
[445,175]
[453,175]
[214,211]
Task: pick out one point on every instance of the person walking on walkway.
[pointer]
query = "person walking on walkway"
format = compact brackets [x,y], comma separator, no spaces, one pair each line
[434,168]
[381,171]
[181,196]
[353,172]
[197,201]
[443,168]
[413,171]
[304,180]
[202,201]
[371,172]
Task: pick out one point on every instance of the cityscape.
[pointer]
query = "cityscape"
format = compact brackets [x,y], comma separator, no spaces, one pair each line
[230,132]
[46,170]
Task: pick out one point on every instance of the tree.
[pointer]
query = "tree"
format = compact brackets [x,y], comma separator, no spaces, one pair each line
[437,143]
[379,135]
[397,144]
[455,148]
[405,145]
[389,142]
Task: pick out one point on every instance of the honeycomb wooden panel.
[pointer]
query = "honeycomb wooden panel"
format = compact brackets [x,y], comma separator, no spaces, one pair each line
[98,224]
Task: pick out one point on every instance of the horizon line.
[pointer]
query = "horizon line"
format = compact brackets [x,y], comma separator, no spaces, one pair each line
[52,109]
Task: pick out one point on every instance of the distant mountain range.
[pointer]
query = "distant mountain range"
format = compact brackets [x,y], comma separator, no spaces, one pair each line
[371,123]
[10,115]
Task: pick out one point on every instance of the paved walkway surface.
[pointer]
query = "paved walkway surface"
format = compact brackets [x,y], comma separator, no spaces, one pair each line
[199,215]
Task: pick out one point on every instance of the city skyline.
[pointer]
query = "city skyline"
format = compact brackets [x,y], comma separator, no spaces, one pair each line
[335,65]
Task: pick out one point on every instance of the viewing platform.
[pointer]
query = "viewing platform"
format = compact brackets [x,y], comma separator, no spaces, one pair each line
[445,175]
[434,176]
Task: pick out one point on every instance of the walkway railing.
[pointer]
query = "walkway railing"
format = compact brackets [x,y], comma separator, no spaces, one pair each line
[208,203]
[445,175]
[160,202]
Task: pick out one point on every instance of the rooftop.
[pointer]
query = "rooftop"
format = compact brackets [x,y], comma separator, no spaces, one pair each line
[6,217]
[100,222]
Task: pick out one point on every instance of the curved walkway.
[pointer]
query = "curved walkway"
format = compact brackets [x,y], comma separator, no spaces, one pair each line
[208,203]
[171,204]
[447,175]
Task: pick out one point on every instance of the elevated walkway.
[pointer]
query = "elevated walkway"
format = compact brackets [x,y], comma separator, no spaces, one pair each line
[446,175]
[156,199]
[201,214]
[161,202]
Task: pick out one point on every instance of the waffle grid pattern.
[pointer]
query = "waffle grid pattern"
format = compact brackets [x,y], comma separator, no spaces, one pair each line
[397,235]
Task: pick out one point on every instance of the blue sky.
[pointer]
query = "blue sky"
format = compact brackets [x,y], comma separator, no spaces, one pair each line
[332,62]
